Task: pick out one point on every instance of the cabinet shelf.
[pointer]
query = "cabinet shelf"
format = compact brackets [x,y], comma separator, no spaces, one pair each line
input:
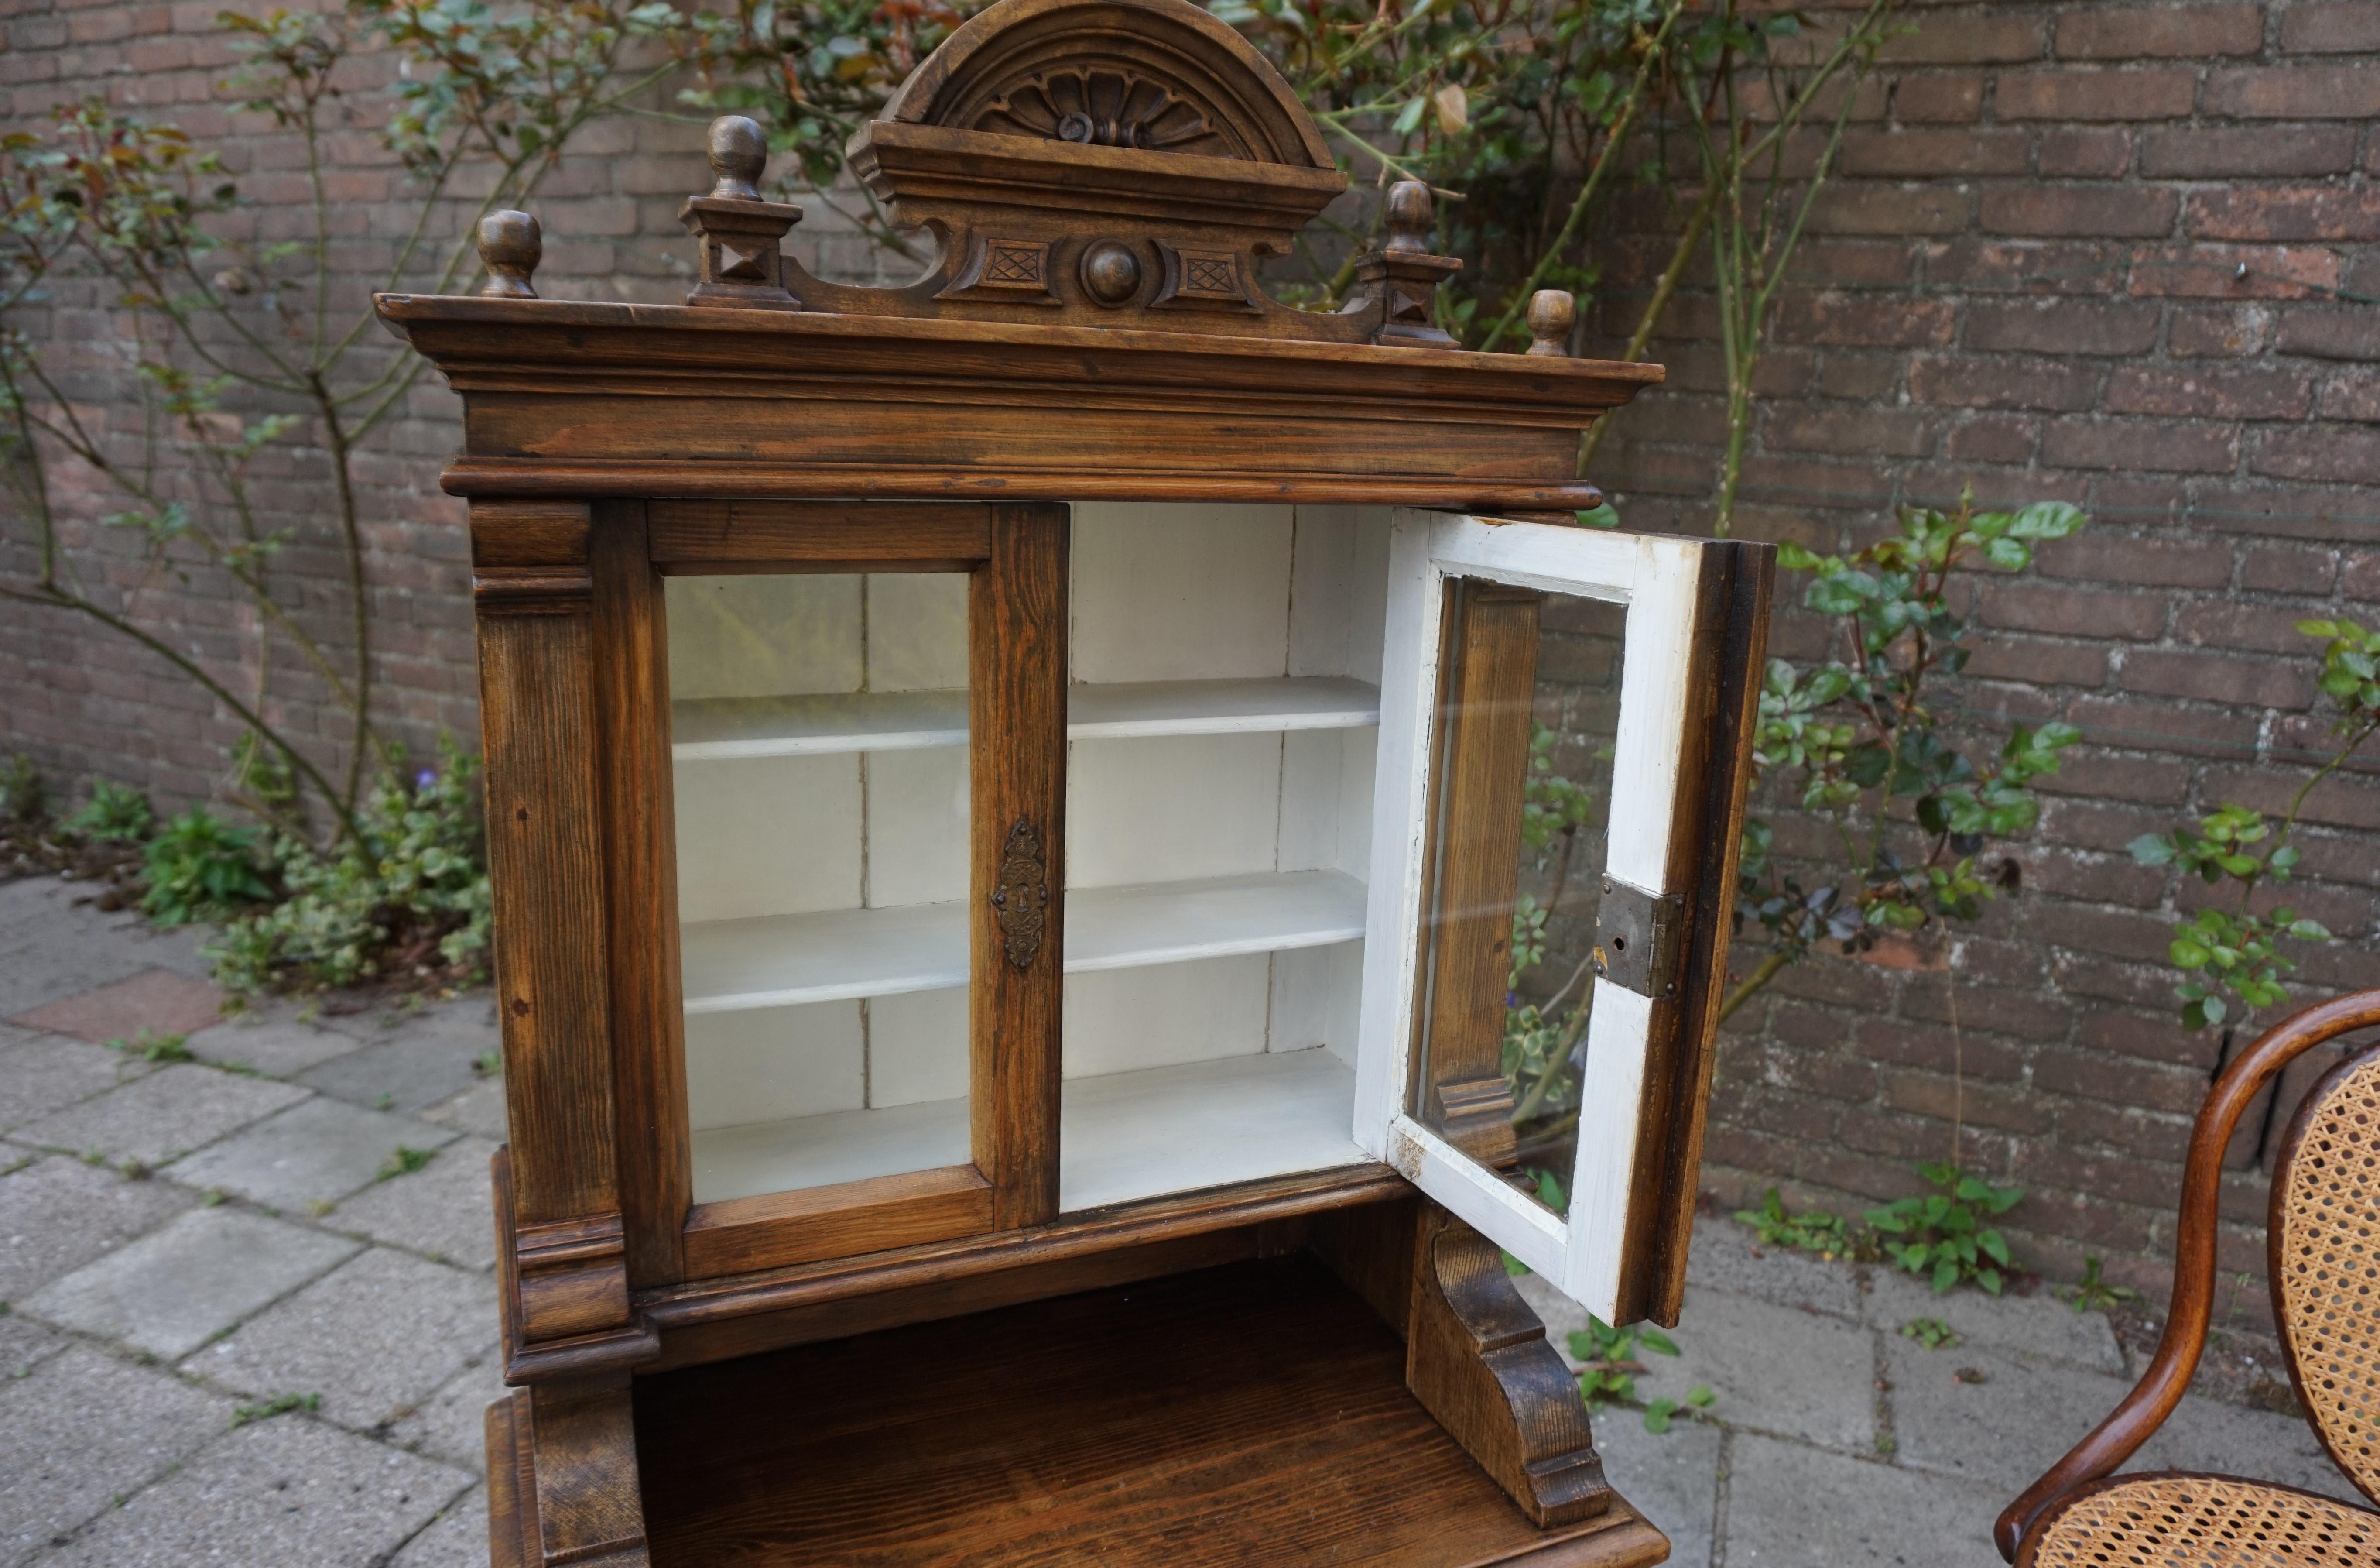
[1121,1135]
[843,954]
[721,728]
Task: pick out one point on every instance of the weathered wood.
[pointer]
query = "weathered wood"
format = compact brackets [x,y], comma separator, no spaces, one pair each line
[1016,715]
[631,682]
[710,537]
[1487,707]
[1476,1357]
[511,1487]
[1371,1250]
[740,1235]
[546,870]
[582,1442]
[693,1317]
[1250,1414]
[1729,652]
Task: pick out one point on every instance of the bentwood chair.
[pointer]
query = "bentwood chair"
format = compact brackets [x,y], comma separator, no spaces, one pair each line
[2324,1244]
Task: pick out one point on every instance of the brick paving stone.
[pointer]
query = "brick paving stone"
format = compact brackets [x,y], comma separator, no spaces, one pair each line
[480,1108]
[452,1423]
[315,1152]
[2204,1434]
[176,1288]
[1671,1478]
[277,1046]
[40,1073]
[84,1430]
[1793,1506]
[1728,1257]
[285,1491]
[163,1001]
[374,1338]
[412,1071]
[59,1213]
[52,948]
[24,1342]
[2039,1325]
[444,1210]
[163,1116]
[458,1539]
[2000,1432]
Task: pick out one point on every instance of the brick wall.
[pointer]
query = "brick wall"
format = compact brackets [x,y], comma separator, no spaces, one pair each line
[2119,254]
[2125,256]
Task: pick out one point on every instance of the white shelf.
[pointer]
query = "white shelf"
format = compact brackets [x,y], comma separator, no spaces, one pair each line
[1122,1136]
[840,955]
[1129,1136]
[711,729]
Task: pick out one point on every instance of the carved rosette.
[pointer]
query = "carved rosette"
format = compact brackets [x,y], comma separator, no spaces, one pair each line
[1020,895]
[1103,108]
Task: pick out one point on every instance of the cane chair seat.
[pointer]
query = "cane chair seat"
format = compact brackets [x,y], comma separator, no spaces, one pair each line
[2175,1521]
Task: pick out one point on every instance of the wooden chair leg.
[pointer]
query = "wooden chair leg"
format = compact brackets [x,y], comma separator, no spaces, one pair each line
[1476,1357]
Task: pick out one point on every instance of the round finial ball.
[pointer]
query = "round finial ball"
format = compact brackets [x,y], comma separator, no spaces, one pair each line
[1411,213]
[1551,312]
[511,245]
[1110,273]
[739,151]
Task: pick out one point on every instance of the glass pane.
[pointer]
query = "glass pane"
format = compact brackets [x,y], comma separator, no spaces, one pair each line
[819,727]
[1522,777]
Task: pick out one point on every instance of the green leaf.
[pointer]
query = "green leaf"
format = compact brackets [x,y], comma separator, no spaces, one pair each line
[1700,1397]
[1657,1413]
[2047,520]
[1946,1274]
[1656,1340]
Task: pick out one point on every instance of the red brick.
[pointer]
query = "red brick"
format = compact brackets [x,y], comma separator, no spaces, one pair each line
[2294,93]
[2118,1081]
[1987,438]
[2130,1129]
[2344,457]
[2288,568]
[2245,683]
[2098,556]
[2299,213]
[1899,153]
[2330,335]
[2084,152]
[2129,211]
[2352,398]
[2159,93]
[2037,663]
[1937,97]
[1852,431]
[2019,605]
[1867,207]
[1866,319]
[2136,724]
[2330,27]
[2126,32]
[1968,38]
[2213,334]
[1862,376]
[1959,381]
[2185,391]
[2219,151]
[2062,326]
[2132,445]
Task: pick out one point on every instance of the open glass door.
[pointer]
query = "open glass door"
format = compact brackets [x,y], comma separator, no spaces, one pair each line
[1565,729]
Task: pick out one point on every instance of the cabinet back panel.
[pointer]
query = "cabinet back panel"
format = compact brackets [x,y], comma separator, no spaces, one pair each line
[1177,592]
[768,836]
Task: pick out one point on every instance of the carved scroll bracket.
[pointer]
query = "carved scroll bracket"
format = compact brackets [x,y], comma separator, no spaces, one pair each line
[1020,896]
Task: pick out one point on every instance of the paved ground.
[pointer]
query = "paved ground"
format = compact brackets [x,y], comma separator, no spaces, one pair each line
[187,1247]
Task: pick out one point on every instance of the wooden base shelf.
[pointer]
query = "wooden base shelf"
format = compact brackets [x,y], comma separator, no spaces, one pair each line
[1254,1414]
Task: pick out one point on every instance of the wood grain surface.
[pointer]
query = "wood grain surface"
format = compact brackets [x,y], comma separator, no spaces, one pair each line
[1252,1414]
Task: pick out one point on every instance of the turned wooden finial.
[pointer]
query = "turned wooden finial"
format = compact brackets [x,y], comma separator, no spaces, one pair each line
[1551,312]
[511,245]
[739,151]
[1411,214]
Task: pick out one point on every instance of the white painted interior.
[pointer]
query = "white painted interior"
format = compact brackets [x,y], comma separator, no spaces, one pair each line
[1225,663]
[1655,578]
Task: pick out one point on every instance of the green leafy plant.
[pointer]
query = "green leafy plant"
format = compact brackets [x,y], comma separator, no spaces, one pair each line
[1862,735]
[489,1063]
[201,867]
[1931,1333]
[1814,1231]
[405,895]
[2233,957]
[1541,1040]
[152,1046]
[279,1404]
[1942,1235]
[1609,1370]
[115,814]
[24,796]
[2093,1293]
[406,1162]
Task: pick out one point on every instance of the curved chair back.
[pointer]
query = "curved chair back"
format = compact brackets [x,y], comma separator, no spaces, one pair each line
[2324,1240]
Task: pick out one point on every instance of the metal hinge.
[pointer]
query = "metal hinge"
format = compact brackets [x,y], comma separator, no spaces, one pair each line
[1640,939]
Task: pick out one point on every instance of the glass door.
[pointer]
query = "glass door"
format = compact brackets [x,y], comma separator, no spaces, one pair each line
[1565,726]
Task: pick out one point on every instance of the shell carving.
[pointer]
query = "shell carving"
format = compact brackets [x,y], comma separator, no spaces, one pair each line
[1103,108]
[1020,895]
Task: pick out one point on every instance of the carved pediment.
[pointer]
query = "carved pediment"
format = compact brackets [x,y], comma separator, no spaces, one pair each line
[1100,107]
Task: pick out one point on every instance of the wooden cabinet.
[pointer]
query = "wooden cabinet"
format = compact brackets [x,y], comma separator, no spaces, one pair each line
[1011,803]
